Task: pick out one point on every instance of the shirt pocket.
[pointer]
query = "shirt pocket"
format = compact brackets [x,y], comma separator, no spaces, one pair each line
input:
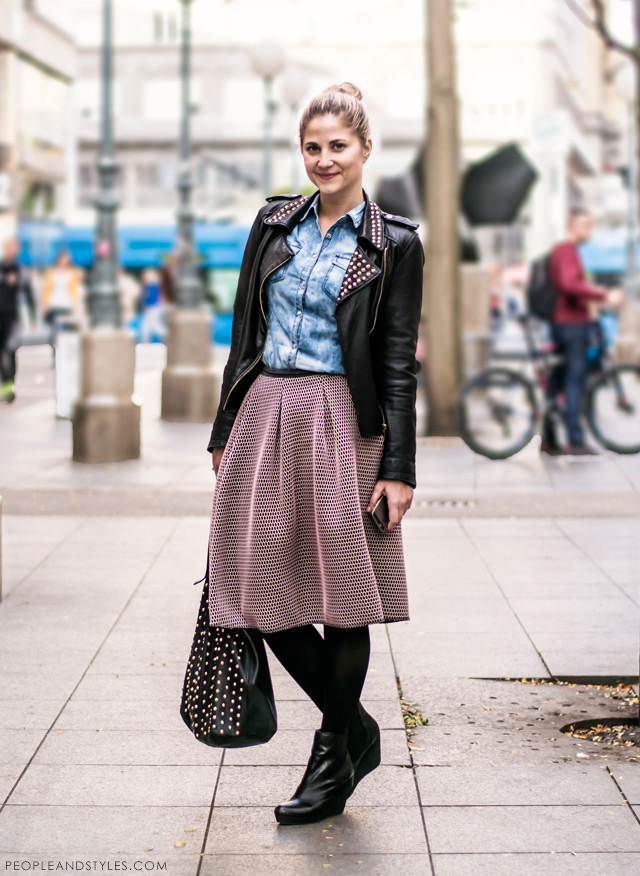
[335,275]
[284,269]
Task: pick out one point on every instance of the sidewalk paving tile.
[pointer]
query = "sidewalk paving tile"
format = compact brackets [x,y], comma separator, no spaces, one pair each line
[116,785]
[140,747]
[486,613]
[361,829]
[17,746]
[339,863]
[105,687]
[628,777]
[551,864]
[80,831]
[27,714]
[532,828]
[584,615]
[518,784]
[116,714]
[590,654]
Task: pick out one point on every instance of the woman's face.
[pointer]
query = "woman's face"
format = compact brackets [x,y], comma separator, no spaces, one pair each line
[333,154]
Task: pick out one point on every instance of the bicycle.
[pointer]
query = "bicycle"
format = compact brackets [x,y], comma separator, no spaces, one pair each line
[500,409]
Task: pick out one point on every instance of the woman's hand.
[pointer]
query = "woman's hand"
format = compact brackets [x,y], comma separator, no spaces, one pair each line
[399,497]
[216,456]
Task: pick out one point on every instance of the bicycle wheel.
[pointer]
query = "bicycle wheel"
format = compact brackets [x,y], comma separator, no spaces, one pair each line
[613,408]
[497,412]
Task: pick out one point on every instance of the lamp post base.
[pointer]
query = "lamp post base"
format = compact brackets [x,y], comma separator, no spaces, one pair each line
[190,386]
[106,418]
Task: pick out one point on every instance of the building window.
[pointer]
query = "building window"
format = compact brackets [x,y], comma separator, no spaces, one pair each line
[88,183]
[165,27]
[158,27]
[172,27]
[154,184]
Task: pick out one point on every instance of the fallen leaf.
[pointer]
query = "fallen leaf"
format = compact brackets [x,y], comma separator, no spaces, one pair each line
[179,843]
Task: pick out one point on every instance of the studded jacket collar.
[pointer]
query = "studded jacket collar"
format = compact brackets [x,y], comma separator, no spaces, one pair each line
[377,311]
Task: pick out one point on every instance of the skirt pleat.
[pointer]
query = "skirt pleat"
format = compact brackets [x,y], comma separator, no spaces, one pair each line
[290,541]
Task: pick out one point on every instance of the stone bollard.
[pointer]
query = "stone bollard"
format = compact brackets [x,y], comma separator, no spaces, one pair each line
[106,419]
[190,385]
[627,348]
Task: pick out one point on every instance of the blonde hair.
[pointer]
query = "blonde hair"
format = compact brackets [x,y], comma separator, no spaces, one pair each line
[343,100]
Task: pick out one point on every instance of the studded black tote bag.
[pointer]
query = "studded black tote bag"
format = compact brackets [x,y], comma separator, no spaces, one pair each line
[227,696]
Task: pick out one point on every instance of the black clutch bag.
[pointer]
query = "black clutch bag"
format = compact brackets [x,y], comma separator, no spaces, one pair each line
[227,695]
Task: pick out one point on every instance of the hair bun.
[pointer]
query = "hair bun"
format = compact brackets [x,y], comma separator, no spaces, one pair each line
[346,88]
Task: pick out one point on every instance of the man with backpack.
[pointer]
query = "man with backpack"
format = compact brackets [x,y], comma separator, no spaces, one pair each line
[569,308]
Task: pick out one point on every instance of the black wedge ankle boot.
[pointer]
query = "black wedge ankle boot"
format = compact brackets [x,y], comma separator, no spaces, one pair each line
[326,784]
[363,744]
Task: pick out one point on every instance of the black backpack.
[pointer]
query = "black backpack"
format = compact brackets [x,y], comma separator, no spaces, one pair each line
[541,296]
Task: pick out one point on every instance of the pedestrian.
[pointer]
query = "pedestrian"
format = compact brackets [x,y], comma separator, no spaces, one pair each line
[316,422]
[60,293]
[154,308]
[571,331]
[14,284]
[169,279]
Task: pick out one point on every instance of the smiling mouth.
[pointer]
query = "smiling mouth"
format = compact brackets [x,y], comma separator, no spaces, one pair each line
[327,175]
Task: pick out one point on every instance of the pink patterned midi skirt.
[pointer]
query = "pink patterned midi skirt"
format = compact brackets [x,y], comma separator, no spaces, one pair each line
[290,541]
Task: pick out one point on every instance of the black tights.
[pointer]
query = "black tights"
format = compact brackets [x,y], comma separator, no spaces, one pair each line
[331,671]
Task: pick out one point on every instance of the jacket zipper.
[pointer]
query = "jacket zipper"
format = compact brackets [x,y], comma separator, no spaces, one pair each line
[384,268]
[259,356]
[384,422]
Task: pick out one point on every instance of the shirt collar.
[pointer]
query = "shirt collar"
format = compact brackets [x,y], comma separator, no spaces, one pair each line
[355,213]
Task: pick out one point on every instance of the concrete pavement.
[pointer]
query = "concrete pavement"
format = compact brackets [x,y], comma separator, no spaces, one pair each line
[516,581]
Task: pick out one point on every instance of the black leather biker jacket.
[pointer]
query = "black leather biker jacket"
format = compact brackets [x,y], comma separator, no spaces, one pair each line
[377,312]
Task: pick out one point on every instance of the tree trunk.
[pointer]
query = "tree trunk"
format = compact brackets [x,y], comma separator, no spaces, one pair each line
[442,276]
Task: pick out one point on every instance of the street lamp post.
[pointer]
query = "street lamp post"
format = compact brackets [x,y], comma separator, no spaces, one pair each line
[190,386]
[104,299]
[189,287]
[267,61]
[106,418]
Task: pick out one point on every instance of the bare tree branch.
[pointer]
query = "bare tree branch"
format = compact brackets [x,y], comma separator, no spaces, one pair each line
[600,24]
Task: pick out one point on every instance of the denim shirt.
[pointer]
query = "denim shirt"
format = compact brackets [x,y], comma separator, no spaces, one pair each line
[302,331]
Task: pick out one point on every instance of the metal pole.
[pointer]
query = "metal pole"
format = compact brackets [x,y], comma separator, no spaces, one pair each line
[104,297]
[268,105]
[189,287]
[632,206]
[294,152]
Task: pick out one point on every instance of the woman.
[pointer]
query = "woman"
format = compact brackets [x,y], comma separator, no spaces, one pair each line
[316,421]
[61,293]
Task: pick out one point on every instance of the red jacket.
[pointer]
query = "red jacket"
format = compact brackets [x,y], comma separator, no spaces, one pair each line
[573,292]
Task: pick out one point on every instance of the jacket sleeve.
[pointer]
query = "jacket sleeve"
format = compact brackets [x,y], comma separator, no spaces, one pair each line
[224,419]
[397,363]
[568,275]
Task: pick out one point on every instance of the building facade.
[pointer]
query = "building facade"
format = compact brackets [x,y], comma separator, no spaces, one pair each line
[535,74]
[228,101]
[37,66]
[530,73]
